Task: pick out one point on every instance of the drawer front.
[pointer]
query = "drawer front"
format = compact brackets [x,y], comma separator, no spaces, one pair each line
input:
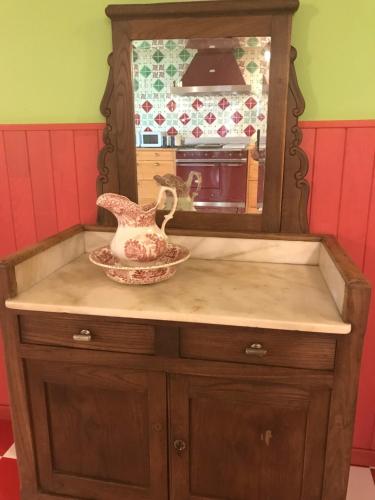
[148,191]
[277,348]
[155,155]
[104,335]
[147,169]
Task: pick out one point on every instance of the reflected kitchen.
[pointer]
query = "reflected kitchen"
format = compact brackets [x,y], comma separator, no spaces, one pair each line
[201,121]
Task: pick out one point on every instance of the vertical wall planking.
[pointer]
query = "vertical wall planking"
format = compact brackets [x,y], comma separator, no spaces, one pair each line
[365,421]
[7,237]
[42,182]
[325,201]
[356,191]
[65,178]
[86,152]
[17,160]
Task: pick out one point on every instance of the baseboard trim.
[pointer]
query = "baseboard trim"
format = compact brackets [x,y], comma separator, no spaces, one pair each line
[4,412]
[362,457]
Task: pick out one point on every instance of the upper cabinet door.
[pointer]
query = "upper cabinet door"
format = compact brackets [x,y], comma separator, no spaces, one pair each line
[246,441]
[100,430]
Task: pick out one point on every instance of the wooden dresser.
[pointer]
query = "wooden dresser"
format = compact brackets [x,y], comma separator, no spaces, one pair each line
[150,162]
[233,380]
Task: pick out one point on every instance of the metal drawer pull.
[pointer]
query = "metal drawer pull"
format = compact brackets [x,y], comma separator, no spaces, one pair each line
[179,445]
[256,350]
[156,164]
[84,336]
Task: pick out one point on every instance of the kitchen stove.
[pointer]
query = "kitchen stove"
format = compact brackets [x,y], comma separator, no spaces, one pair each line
[224,175]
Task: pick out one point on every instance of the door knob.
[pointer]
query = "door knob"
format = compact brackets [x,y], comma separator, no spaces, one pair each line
[179,445]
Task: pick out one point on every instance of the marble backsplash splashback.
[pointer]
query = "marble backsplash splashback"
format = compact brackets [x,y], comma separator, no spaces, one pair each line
[159,65]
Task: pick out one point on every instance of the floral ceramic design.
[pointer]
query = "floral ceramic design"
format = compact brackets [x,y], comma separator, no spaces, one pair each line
[137,273]
[138,238]
[140,276]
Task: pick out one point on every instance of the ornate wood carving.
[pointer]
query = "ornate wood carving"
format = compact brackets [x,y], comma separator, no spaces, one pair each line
[107,179]
[296,188]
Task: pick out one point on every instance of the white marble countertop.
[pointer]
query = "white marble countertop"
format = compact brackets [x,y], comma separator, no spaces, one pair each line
[252,294]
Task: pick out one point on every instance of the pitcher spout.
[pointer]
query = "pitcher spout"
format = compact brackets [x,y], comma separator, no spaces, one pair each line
[126,211]
[120,206]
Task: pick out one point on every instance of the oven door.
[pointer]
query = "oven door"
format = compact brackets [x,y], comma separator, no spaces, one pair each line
[223,185]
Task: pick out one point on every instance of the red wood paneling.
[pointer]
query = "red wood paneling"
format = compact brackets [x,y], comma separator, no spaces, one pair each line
[65,178]
[47,181]
[17,160]
[327,179]
[7,238]
[43,188]
[86,152]
[358,171]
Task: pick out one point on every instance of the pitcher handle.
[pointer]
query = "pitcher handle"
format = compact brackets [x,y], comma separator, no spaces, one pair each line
[170,215]
[198,177]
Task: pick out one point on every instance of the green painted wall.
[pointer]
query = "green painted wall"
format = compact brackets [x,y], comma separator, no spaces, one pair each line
[53,59]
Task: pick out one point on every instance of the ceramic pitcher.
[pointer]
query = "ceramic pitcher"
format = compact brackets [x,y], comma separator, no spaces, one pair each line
[185,194]
[137,237]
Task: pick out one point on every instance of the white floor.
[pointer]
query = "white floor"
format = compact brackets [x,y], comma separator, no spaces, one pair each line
[361,484]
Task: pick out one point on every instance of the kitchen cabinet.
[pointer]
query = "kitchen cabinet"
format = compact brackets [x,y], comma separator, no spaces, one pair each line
[152,162]
[252,183]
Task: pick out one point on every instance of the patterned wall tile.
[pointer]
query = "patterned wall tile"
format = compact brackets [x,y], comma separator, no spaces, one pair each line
[159,65]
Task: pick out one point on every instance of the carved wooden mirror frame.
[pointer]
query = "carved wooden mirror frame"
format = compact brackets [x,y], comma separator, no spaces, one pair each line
[285,190]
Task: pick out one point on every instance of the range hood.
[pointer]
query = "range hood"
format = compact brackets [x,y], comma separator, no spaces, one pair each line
[213,70]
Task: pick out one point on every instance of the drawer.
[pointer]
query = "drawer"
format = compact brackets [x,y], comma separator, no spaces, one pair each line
[156,154]
[277,348]
[105,335]
[148,191]
[147,169]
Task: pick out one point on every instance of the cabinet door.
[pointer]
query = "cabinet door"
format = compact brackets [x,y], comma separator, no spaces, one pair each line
[100,433]
[236,440]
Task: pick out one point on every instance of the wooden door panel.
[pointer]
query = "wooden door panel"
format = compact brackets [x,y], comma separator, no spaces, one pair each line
[99,432]
[246,441]
[76,417]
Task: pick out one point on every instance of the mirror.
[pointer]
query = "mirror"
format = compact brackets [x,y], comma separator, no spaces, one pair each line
[159,88]
[201,108]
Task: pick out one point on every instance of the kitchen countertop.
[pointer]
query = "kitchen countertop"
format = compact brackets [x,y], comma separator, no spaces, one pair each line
[251,294]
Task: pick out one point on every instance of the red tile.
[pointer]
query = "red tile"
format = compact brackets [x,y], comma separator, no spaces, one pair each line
[159,118]
[171,105]
[9,483]
[6,436]
[147,106]
[197,132]
[184,118]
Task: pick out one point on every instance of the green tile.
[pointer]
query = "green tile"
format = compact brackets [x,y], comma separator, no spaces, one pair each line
[238,53]
[145,45]
[184,55]
[251,67]
[135,84]
[170,44]
[171,70]
[158,56]
[145,71]
[252,41]
[158,85]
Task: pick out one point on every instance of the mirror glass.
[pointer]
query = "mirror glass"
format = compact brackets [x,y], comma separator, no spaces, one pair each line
[201,121]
